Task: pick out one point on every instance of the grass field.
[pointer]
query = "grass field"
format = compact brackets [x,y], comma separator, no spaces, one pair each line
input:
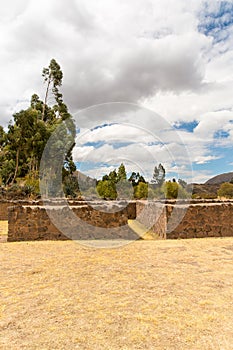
[146,295]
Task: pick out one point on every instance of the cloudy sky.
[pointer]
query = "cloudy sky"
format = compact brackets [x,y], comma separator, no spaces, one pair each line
[169,63]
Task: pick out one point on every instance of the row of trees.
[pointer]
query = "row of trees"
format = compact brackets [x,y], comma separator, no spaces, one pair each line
[116,185]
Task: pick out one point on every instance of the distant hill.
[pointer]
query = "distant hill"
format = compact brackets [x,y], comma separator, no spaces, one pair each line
[219,179]
[84,181]
[204,190]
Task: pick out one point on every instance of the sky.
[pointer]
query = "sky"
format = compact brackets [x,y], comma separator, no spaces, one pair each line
[147,81]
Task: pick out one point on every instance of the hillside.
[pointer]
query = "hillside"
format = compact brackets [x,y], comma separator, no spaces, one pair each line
[219,179]
[204,190]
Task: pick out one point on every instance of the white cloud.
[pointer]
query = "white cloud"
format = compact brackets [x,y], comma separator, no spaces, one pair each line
[140,51]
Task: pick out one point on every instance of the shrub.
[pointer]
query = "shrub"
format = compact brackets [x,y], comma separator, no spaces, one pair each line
[106,189]
[173,190]
[141,191]
[226,190]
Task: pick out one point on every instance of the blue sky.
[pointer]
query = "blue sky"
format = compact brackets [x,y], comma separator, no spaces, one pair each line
[173,58]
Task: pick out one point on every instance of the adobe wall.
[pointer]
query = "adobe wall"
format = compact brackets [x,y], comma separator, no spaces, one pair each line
[26,223]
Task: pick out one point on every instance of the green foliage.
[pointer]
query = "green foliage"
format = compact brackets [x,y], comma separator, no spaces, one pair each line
[2,137]
[32,182]
[115,185]
[204,195]
[90,193]
[155,193]
[21,148]
[121,173]
[70,186]
[158,176]
[135,178]
[124,190]
[172,190]
[226,190]
[141,191]
[106,189]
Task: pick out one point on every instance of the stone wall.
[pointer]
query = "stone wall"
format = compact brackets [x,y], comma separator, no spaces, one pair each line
[5,204]
[153,216]
[200,220]
[171,220]
[81,222]
[167,220]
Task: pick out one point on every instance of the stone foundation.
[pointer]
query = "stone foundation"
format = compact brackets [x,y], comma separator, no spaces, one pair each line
[187,220]
[27,223]
[5,204]
[108,220]
[200,220]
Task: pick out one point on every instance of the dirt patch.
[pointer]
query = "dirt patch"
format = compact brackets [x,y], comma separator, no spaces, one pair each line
[146,295]
[3,231]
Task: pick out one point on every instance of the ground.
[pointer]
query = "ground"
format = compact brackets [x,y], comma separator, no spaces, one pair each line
[144,295]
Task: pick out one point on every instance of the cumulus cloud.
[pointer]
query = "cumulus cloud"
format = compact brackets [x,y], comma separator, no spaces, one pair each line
[109,52]
[174,57]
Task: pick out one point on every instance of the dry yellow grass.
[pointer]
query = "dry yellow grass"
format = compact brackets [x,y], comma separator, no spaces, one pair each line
[146,295]
[3,231]
[142,231]
[3,228]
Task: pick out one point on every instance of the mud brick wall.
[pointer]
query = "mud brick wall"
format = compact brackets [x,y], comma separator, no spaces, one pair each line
[200,220]
[27,223]
[153,216]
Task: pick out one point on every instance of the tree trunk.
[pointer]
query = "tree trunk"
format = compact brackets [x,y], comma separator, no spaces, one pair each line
[46,98]
[16,167]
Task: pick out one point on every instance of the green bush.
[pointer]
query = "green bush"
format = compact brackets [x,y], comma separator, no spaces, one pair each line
[172,190]
[124,190]
[226,190]
[141,191]
[106,189]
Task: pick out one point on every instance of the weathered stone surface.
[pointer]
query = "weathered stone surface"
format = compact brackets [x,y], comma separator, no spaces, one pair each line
[199,219]
[202,220]
[27,223]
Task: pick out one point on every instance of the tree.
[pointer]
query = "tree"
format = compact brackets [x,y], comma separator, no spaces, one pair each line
[53,77]
[124,190]
[106,190]
[182,183]
[171,190]
[158,176]
[2,138]
[141,191]
[121,173]
[226,190]
[135,178]
[112,177]
[21,148]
